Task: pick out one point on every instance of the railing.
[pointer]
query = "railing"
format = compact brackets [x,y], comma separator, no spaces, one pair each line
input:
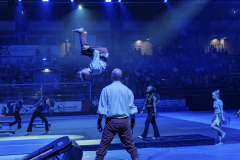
[56,91]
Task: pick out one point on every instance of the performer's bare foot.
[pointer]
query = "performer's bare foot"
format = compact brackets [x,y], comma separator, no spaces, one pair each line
[26,134]
[85,47]
[80,30]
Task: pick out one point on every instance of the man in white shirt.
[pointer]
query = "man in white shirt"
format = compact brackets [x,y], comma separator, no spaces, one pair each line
[117,104]
[98,55]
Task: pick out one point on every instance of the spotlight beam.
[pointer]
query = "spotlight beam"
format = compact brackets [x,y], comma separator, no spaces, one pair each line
[152,3]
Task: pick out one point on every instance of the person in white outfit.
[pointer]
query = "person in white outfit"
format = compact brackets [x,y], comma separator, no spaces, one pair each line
[220,118]
[98,55]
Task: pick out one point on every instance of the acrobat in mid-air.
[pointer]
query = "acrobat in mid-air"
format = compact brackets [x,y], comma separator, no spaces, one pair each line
[98,55]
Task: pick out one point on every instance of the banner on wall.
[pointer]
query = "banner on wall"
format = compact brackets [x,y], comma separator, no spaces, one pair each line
[18,50]
[68,106]
[27,50]
[176,102]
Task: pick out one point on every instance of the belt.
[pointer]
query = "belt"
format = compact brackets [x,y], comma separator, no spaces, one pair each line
[108,118]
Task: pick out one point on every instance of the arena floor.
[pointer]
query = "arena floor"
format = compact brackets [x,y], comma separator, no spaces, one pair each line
[83,130]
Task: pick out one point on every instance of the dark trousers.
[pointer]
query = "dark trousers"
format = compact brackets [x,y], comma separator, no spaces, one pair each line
[112,127]
[150,118]
[35,115]
[89,53]
[17,119]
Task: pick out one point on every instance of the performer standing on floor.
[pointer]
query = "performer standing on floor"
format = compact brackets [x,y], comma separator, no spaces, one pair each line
[236,114]
[220,118]
[151,102]
[117,104]
[94,105]
[19,105]
[98,54]
[42,105]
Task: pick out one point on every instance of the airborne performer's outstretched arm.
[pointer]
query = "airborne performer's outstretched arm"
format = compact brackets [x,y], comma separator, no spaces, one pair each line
[98,55]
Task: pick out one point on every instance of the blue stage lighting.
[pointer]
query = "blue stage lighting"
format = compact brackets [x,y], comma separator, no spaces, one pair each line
[165,1]
[45,0]
[108,1]
[19,0]
[72,0]
[79,7]
[119,0]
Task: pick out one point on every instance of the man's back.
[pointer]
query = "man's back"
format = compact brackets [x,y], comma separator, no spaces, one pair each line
[117,101]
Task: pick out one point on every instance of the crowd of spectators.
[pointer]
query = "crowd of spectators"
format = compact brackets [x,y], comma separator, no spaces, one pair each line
[16,70]
[172,68]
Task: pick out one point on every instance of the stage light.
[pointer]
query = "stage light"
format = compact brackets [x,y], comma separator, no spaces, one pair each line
[19,0]
[79,7]
[108,1]
[72,0]
[44,59]
[45,0]
[119,0]
[165,1]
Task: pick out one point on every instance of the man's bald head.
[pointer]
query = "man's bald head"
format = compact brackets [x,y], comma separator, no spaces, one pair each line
[116,74]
